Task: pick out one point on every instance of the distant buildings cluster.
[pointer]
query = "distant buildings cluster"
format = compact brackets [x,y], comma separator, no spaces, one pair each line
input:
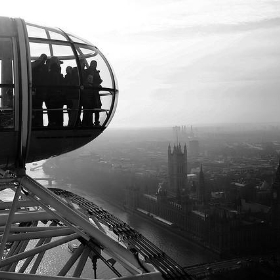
[229,221]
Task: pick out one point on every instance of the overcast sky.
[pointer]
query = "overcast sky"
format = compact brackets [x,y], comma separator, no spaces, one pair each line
[178,61]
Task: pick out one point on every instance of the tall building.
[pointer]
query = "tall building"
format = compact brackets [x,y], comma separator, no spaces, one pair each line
[218,224]
[193,145]
[177,168]
[201,195]
[179,134]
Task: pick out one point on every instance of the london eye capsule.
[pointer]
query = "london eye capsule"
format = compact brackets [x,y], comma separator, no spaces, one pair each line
[58,92]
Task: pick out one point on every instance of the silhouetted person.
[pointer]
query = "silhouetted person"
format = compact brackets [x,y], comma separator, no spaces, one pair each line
[72,95]
[77,78]
[39,80]
[91,98]
[55,98]
[83,64]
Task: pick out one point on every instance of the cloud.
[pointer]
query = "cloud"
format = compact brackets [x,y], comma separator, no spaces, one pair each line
[180,61]
[239,83]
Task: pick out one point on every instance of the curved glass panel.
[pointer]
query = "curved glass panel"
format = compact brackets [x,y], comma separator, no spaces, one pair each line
[57,36]
[92,56]
[77,40]
[63,51]
[106,99]
[113,108]
[36,32]
[87,52]
[99,86]
[73,84]
[36,49]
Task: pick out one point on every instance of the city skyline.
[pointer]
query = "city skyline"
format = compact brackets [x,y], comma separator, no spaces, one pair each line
[179,61]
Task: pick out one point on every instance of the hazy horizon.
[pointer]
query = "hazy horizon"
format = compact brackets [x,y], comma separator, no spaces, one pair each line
[191,61]
[189,125]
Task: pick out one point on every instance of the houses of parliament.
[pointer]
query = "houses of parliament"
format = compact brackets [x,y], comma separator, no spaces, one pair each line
[185,203]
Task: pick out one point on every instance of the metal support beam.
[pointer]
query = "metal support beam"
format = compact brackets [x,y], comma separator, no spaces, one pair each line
[20,248]
[39,258]
[97,253]
[95,221]
[56,215]
[32,229]
[13,250]
[21,203]
[15,276]
[37,250]
[81,264]
[124,256]
[21,217]
[6,181]
[9,222]
[40,234]
[71,261]
[29,259]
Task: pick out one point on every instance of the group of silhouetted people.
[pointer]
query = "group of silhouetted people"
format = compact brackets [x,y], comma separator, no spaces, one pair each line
[56,90]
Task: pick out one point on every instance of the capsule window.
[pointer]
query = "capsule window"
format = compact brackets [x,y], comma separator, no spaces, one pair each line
[36,32]
[36,49]
[6,84]
[76,39]
[57,36]
[62,51]
[97,97]
[66,94]
[91,54]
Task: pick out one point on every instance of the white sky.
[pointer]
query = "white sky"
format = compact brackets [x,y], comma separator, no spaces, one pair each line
[178,61]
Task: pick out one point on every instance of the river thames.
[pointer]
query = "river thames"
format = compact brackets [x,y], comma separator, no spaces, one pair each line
[184,252]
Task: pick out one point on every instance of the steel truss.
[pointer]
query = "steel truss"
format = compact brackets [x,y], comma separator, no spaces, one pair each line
[38,221]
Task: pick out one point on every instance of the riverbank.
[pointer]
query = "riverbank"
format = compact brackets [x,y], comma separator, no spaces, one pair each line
[176,232]
[147,222]
[184,251]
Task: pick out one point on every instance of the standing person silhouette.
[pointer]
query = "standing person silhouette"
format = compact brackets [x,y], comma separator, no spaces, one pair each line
[72,95]
[91,95]
[39,79]
[75,79]
[55,98]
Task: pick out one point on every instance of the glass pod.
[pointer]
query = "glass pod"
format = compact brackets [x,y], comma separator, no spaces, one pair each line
[58,92]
